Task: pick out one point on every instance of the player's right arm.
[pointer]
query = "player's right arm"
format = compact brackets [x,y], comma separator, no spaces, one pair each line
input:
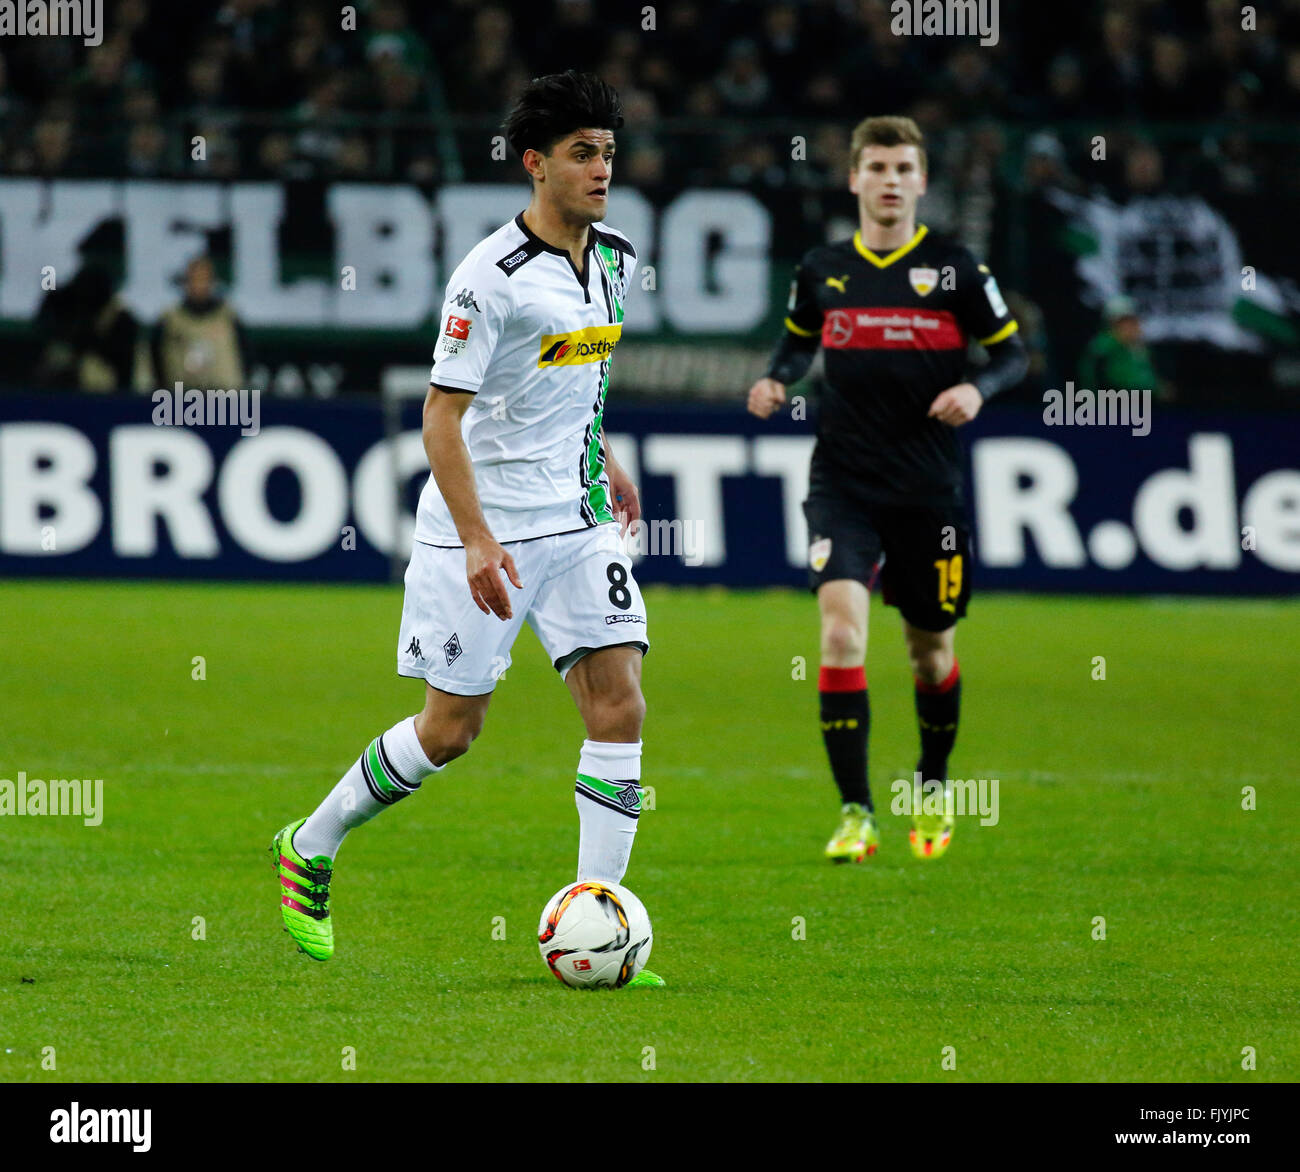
[475,311]
[794,353]
[485,557]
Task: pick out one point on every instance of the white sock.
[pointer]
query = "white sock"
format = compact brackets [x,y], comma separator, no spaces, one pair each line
[392,768]
[608,796]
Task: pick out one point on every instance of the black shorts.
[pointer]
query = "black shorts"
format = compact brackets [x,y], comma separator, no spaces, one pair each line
[921,554]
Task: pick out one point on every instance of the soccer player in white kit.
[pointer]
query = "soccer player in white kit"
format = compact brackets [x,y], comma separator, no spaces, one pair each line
[521,516]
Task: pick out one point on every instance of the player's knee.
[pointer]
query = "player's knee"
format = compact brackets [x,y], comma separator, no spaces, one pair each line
[449,738]
[931,665]
[617,717]
[844,643]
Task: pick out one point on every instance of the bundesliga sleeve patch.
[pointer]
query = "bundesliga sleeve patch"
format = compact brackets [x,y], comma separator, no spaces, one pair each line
[994,294]
[455,334]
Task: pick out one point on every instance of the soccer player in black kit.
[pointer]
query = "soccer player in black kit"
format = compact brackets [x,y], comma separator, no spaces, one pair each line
[894,309]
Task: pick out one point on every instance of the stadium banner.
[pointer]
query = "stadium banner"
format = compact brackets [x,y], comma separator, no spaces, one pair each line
[146,487]
[377,255]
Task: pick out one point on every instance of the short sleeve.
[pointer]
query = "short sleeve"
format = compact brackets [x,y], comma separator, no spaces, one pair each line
[474,311]
[982,312]
[803,316]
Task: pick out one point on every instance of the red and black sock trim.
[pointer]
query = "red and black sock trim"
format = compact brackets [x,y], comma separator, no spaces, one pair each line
[846,725]
[938,710]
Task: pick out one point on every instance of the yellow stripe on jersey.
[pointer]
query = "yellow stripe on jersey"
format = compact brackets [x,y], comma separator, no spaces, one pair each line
[1005,332]
[882,261]
[794,329]
[594,344]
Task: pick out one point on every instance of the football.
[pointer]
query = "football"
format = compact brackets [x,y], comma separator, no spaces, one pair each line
[595,935]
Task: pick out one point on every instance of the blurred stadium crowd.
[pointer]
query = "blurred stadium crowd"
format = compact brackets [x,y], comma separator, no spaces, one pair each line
[1189,100]
[220,67]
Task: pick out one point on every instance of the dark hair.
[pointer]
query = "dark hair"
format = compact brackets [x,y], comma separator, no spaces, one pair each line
[554,106]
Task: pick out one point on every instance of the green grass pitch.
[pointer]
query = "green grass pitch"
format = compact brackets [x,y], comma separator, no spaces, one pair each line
[1120,798]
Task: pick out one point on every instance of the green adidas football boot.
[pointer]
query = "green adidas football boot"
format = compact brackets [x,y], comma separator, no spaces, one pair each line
[855,837]
[304,895]
[645,979]
[933,820]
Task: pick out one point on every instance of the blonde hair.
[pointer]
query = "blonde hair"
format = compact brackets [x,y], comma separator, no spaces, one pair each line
[886,130]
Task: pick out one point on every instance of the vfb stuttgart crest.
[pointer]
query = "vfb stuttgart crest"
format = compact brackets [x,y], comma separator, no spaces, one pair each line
[819,553]
[923,280]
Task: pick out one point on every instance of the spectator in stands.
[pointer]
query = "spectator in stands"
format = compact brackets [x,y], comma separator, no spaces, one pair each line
[354,161]
[98,87]
[744,88]
[478,69]
[1116,79]
[785,50]
[1289,87]
[1065,97]
[140,104]
[392,38]
[1117,356]
[49,154]
[1170,91]
[971,85]
[1144,169]
[199,342]
[252,35]
[146,151]
[91,335]
[276,158]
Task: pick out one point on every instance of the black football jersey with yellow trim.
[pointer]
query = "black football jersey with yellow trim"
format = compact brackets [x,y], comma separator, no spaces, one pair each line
[894,330]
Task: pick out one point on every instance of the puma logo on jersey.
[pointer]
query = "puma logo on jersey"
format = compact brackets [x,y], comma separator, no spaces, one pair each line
[838,282]
[594,344]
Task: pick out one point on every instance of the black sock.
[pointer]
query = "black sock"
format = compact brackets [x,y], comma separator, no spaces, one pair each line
[938,707]
[846,721]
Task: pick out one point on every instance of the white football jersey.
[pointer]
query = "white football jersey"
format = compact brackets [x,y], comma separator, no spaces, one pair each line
[533,338]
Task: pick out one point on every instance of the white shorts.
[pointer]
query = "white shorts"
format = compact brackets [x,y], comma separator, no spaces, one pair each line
[578,593]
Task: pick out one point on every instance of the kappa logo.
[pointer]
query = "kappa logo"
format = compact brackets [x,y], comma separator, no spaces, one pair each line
[819,553]
[519,257]
[611,619]
[414,648]
[923,279]
[465,299]
[452,649]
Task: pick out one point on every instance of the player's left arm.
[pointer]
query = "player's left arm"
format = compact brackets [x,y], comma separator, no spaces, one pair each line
[627,501]
[984,316]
